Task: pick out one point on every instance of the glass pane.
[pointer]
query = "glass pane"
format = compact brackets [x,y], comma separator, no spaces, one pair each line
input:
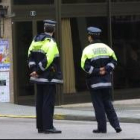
[125,0]
[82,1]
[40,27]
[79,37]
[23,40]
[126,42]
[32,2]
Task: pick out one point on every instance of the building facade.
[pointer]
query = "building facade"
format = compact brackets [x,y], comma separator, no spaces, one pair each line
[119,20]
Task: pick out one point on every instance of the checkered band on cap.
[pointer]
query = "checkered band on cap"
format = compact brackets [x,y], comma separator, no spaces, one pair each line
[94,30]
[49,22]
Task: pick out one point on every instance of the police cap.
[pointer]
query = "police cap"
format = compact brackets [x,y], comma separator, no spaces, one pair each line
[94,31]
[50,22]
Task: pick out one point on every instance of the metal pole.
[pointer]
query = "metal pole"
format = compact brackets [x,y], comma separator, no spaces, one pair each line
[58,19]
[110,38]
[0,27]
[59,42]
[109,23]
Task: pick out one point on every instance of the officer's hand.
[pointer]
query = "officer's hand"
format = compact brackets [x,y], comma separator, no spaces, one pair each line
[34,74]
[102,71]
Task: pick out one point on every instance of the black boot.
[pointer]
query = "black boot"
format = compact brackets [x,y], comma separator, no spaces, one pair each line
[99,131]
[118,129]
[52,131]
[40,131]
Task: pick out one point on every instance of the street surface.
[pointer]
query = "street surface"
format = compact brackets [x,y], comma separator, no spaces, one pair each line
[15,128]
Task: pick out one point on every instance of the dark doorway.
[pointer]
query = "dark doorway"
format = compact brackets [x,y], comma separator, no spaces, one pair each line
[23,37]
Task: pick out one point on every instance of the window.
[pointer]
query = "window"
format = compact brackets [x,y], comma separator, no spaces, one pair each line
[126,43]
[23,41]
[125,0]
[82,1]
[32,2]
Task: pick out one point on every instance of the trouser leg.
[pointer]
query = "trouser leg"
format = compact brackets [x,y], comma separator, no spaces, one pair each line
[39,105]
[109,109]
[48,106]
[99,110]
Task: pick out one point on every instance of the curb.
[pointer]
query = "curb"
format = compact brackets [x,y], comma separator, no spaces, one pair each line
[56,116]
[16,116]
[90,118]
[73,118]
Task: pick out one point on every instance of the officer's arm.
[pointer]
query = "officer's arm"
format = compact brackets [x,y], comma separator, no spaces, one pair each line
[51,52]
[86,64]
[31,62]
[113,62]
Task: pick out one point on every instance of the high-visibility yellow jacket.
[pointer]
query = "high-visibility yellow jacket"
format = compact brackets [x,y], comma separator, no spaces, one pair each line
[43,57]
[94,57]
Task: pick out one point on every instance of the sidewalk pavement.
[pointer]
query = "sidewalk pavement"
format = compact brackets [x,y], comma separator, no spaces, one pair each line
[128,111]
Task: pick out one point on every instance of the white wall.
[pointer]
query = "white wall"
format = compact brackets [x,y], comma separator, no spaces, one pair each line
[7,34]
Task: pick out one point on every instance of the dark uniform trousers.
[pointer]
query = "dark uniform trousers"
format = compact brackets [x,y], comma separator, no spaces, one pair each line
[101,99]
[45,102]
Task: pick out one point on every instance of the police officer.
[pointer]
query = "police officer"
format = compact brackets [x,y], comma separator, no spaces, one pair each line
[43,61]
[98,61]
